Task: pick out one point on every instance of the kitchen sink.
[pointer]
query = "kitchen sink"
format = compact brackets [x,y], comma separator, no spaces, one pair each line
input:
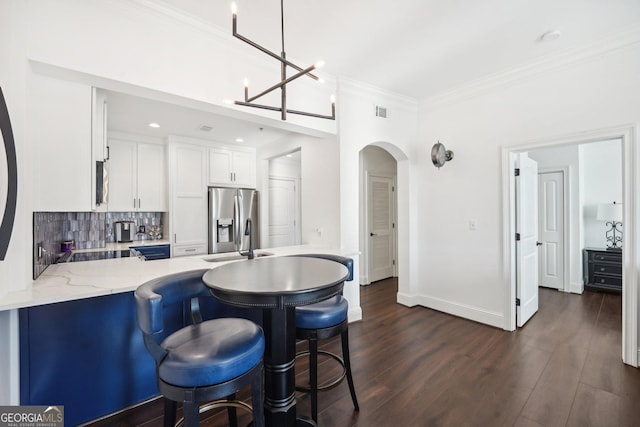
[235,257]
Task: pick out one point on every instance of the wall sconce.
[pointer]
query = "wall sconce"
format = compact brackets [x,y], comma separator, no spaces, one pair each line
[612,214]
[440,155]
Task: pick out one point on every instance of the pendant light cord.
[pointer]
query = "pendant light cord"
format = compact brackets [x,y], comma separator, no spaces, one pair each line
[282,22]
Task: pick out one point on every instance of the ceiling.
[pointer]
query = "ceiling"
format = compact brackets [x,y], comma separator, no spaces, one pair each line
[132,114]
[415,48]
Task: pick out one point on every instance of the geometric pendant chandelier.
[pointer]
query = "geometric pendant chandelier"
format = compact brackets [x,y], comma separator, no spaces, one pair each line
[284,80]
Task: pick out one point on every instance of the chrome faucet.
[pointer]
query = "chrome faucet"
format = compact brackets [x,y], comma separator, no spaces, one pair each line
[248,231]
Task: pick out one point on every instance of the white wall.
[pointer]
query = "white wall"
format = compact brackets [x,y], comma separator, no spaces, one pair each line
[397,134]
[462,271]
[601,177]
[319,184]
[284,167]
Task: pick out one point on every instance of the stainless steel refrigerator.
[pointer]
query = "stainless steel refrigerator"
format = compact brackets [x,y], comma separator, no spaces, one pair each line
[229,209]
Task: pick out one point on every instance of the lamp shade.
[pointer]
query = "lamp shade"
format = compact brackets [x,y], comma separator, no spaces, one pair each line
[609,212]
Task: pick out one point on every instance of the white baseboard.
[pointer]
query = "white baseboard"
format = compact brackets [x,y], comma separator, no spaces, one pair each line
[406,299]
[354,314]
[576,287]
[476,314]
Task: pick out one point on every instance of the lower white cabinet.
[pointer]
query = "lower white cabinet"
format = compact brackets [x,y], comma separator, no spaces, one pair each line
[188,198]
[190,250]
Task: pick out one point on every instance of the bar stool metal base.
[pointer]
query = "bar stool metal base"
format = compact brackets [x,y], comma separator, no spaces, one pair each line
[330,383]
[312,336]
[220,404]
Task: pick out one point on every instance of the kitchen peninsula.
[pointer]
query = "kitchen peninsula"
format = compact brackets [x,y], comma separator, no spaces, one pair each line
[79,342]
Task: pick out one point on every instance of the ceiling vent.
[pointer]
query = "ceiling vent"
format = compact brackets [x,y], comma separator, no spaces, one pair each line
[381,112]
[205,128]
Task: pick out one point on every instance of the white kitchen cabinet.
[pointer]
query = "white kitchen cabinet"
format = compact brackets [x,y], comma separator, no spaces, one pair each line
[61,171]
[235,168]
[188,198]
[136,176]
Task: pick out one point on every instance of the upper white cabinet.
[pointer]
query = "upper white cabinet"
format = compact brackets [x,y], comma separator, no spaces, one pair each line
[136,176]
[60,114]
[188,198]
[232,167]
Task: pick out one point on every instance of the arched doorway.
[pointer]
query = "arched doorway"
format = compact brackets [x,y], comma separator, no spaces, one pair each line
[378,215]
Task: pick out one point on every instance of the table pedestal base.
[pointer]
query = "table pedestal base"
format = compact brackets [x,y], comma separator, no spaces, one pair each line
[279,364]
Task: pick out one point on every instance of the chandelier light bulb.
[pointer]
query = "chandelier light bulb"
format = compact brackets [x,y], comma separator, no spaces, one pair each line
[246,82]
[319,64]
[234,8]
[333,99]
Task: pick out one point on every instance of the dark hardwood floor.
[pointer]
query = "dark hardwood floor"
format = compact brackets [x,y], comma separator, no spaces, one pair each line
[420,367]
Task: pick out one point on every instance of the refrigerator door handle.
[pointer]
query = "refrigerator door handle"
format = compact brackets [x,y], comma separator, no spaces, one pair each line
[236,220]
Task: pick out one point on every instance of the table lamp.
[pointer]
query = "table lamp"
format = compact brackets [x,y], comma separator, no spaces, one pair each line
[612,214]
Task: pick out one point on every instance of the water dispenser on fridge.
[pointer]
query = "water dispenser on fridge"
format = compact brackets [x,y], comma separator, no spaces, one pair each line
[229,209]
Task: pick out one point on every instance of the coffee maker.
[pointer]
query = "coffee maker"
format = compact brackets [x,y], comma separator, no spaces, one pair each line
[125,230]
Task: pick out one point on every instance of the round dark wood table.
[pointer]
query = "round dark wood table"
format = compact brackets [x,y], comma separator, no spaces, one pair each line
[278,285]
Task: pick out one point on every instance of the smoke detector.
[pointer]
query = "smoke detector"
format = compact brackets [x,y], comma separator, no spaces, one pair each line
[550,36]
[206,128]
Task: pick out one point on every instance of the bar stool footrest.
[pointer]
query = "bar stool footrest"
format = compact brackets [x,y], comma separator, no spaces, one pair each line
[331,383]
[220,404]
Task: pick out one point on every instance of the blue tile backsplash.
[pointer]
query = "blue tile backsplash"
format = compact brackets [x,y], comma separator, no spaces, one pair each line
[88,230]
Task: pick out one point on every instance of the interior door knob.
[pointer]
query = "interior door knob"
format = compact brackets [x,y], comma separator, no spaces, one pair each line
[372,234]
[538,243]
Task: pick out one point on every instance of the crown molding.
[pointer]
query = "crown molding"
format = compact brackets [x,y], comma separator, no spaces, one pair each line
[625,38]
[355,87]
[161,9]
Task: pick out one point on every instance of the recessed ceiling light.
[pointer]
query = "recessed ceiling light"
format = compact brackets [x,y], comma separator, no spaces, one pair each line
[154,125]
[239,140]
[550,36]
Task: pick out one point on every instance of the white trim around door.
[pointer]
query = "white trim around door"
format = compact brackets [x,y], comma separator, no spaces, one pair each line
[631,186]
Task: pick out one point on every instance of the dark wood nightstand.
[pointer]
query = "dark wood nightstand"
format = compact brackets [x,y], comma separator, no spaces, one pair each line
[602,269]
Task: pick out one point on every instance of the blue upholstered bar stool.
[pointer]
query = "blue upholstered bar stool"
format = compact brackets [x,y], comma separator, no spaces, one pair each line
[198,361]
[320,321]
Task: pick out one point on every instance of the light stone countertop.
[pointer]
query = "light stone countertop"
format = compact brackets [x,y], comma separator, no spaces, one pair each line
[87,279]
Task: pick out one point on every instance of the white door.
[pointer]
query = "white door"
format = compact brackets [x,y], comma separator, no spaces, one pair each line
[282,212]
[526,246]
[551,229]
[380,208]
